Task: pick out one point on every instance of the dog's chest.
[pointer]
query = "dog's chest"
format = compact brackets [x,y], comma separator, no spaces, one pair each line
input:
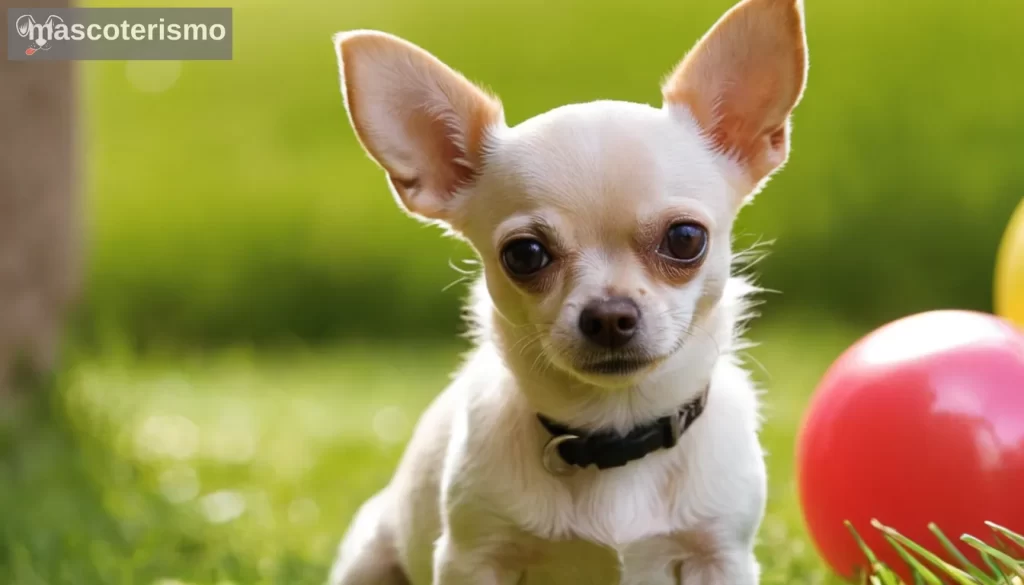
[578,561]
[613,507]
[621,526]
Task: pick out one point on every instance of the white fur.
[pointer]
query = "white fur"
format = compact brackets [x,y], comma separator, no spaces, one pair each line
[471,502]
[472,489]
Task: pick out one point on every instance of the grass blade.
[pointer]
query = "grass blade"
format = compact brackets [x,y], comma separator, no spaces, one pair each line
[870,554]
[964,562]
[996,569]
[958,575]
[1008,561]
[1002,544]
[921,572]
[1016,538]
[879,573]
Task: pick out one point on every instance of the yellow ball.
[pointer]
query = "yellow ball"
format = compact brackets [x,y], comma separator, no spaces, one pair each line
[1009,287]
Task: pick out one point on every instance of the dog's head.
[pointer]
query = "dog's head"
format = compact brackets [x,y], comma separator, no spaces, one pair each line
[604,228]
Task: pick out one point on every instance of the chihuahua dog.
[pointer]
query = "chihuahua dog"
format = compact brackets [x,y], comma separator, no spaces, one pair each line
[603,430]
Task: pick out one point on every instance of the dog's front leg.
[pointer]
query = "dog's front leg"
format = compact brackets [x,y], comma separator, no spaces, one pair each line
[462,564]
[725,568]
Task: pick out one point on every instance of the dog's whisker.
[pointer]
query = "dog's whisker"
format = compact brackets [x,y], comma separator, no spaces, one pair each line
[525,344]
[464,271]
[747,355]
[455,282]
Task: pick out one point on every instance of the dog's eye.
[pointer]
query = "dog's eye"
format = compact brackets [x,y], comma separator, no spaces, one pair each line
[524,257]
[685,242]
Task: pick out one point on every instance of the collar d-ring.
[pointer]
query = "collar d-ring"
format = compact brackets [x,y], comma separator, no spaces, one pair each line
[552,459]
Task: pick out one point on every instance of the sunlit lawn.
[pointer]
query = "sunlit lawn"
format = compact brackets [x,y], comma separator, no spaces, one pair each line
[245,468]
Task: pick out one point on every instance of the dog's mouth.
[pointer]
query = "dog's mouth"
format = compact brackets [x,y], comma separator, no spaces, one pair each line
[623,364]
[616,366]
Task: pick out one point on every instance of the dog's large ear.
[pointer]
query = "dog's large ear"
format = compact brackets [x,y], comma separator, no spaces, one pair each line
[742,81]
[424,123]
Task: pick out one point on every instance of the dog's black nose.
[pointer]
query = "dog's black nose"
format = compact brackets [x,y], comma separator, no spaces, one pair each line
[610,322]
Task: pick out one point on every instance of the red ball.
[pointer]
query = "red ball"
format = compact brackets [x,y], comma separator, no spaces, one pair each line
[920,421]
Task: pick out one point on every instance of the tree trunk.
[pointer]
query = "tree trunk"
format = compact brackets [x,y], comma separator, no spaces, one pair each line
[39,214]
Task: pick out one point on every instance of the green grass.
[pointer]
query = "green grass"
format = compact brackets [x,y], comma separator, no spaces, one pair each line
[245,467]
[1001,552]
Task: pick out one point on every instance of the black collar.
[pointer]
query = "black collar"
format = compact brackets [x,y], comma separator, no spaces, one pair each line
[606,449]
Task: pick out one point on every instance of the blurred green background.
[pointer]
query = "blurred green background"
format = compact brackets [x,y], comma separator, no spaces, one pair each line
[230,201]
[261,326]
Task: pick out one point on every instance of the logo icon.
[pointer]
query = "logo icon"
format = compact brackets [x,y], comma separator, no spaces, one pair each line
[27,27]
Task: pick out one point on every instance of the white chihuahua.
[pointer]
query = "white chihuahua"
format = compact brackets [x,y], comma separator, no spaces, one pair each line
[603,430]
